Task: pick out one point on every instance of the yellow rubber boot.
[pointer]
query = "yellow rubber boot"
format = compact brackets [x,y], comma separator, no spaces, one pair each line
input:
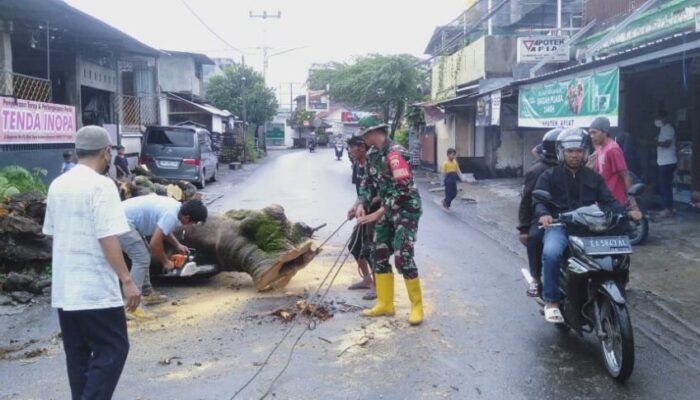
[385,296]
[416,297]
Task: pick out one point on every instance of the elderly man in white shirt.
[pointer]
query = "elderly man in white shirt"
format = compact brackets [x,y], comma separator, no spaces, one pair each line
[84,216]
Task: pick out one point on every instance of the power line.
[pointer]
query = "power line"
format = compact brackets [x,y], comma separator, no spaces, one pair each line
[211,30]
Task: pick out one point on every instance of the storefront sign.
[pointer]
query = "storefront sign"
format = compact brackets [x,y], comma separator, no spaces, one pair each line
[663,20]
[571,102]
[532,49]
[274,131]
[23,121]
[317,100]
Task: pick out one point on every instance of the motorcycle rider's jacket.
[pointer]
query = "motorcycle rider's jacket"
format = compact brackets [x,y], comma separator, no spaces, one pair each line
[571,190]
[526,212]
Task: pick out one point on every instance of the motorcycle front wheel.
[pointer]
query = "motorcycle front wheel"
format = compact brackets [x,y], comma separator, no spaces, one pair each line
[638,231]
[617,342]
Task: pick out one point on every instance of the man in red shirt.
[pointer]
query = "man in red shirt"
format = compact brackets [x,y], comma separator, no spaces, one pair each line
[609,160]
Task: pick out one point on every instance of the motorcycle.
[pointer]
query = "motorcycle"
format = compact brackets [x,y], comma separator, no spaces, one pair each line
[339,148]
[594,271]
[312,146]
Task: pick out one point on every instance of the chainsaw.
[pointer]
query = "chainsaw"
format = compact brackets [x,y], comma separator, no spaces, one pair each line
[186,265]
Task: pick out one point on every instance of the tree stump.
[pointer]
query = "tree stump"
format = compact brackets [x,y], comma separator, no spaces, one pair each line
[262,243]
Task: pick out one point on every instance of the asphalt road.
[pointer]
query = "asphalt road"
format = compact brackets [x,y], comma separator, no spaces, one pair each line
[482,338]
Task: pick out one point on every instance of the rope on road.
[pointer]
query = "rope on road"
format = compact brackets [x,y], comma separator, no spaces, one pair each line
[332,234]
[311,323]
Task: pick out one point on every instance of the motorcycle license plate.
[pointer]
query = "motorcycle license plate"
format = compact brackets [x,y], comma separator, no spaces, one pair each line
[606,245]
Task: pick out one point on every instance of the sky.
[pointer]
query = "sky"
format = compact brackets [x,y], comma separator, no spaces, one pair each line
[322,30]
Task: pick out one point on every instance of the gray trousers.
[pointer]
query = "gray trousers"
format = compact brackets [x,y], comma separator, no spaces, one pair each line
[134,245]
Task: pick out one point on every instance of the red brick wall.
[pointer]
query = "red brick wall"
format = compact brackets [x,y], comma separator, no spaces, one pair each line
[603,10]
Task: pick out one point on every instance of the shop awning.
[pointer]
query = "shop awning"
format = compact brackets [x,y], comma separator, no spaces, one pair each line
[208,108]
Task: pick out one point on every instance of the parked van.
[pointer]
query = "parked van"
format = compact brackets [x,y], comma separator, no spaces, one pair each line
[179,153]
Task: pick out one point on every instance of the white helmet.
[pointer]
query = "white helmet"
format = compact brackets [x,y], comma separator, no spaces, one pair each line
[573,138]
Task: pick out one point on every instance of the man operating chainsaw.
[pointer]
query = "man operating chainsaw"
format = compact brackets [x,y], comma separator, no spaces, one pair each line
[155,217]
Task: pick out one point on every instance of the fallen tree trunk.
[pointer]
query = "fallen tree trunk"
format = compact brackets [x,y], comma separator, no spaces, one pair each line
[23,246]
[262,243]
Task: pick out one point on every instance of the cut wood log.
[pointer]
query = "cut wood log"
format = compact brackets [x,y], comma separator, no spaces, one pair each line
[262,243]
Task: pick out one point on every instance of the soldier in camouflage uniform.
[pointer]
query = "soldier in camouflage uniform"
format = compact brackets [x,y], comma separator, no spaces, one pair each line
[396,221]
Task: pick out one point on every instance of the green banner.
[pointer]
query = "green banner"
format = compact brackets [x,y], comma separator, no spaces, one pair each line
[275,131]
[571,102]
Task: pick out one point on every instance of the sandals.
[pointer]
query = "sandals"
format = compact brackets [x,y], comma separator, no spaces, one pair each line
[553,314]
[534,290]
[363,284]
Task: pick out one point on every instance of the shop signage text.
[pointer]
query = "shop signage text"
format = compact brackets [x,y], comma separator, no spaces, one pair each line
[570,102]
[533,49]
[24,121]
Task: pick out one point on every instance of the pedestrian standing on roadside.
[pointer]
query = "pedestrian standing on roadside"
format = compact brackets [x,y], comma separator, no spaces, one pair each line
[361,239]
[155,217]
[396,221]
[450,173]
[121,164]
[610,160]
[84,216]
[667,160]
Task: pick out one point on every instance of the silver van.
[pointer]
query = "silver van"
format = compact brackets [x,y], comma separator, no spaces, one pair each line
[179,153]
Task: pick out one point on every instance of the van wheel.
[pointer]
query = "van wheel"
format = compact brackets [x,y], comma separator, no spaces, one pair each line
[201,183]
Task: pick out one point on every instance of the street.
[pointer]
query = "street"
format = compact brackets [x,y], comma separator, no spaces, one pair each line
[481,338]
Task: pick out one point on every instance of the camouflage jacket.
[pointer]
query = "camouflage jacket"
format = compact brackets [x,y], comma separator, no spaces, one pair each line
[394,194]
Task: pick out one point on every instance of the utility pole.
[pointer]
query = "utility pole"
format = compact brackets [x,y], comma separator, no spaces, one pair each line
[264,16]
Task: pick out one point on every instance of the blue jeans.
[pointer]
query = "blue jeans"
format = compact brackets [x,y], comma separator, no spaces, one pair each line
[555,244]
[134,245]
[666,185]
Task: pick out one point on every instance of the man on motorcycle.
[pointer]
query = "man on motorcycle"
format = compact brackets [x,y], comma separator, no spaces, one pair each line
[571,185]
[530,234]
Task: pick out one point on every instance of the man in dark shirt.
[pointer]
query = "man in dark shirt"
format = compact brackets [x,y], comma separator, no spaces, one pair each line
[571,185]
[530,234]
[121,164]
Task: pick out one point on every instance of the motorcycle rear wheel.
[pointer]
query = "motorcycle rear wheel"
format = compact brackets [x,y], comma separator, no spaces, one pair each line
[639,230]
[617,344]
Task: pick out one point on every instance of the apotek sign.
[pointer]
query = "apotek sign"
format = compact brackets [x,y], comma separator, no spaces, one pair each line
[24,122]
[534,49]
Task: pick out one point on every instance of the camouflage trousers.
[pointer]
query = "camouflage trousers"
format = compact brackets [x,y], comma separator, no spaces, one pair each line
[395,233]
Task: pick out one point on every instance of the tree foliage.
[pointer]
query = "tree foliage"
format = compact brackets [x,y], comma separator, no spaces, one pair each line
[382,83]
[229,90]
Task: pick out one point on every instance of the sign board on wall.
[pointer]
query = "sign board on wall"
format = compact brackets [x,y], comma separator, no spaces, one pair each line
[488,109]
[571,102]
[31,122]
[317,100]
[532,49]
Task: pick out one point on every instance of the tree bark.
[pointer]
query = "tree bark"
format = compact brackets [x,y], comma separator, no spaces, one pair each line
[261,243]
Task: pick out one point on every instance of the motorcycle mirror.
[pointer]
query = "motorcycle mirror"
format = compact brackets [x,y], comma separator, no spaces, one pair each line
[636,189]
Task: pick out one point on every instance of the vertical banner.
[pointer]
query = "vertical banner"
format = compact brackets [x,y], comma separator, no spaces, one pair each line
[496,108]
[571,102]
